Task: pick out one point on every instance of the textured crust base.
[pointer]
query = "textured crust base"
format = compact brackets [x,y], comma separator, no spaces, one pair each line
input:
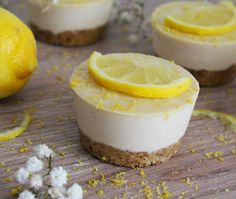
[214,78]
[126,158]
[69,38]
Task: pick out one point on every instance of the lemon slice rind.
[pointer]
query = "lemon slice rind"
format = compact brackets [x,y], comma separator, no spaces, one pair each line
[173,89]
[17,131]
[226,119]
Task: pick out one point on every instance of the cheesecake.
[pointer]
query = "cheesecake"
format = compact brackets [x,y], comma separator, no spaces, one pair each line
[210,58]
[128,130]
[69,23]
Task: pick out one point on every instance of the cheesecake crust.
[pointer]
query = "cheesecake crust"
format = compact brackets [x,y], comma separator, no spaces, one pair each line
[214,78]
[69,38]
[125,158]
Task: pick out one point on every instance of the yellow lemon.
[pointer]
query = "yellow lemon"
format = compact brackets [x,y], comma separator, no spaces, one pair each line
[18,54]
[200,18]
[138,75]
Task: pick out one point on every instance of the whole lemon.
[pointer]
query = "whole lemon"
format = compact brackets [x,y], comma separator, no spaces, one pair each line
[18,53]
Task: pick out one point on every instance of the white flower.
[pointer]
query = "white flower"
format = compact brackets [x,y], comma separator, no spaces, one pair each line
[138,9]
[118,3]
[114,13]
[75,192]
[125,17]
[57,192]
[54,1]
[133,39]
[36,181]
[43,150]
[34,164]
[139,1]
[22,175]
[58,177]
[26,195]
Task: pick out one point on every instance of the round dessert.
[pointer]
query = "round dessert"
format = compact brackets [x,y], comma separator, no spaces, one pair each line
[69,23]
[200,36]
[125,129]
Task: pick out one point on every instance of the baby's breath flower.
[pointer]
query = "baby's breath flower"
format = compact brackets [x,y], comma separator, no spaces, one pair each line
[138,9]
[54,1]
[141,2]
[114,13]
[36,181]
[58,177]
[125,17]
[57,192]
[43,150]
[34,164]
[22,175]
[75,192]
[133,39]
[26,195]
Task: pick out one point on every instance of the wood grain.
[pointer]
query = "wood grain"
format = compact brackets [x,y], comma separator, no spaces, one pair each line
[54,123]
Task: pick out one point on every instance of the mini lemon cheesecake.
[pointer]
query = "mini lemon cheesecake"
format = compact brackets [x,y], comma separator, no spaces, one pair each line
[200,36]
[69,22]
[132,109]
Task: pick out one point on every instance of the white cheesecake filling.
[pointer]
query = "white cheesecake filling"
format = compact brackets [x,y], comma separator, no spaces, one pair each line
[211,53]
[128,123]
[59,17]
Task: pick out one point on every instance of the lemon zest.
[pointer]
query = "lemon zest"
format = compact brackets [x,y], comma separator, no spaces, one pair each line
[100,192]
[93,183]
[119,179]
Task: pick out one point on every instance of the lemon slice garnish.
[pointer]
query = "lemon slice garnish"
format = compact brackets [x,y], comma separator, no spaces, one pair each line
[204,18]
[15,132]
[226,119]
[138,75]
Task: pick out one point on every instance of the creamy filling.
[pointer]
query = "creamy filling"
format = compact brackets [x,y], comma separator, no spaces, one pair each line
[128,123]
[58,18]
[132,133]
[211,53]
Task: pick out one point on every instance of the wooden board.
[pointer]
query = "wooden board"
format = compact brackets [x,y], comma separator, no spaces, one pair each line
[54,123]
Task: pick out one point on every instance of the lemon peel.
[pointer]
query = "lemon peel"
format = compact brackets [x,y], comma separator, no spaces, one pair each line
[203,19]
[226,119]
[17,131]
[138,75]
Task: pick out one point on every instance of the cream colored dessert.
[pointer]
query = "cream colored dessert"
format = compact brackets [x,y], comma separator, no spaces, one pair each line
[83,20]
[211,58]
[127,130]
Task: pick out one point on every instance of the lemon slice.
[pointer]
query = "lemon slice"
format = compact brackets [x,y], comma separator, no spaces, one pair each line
[204,18]
[226,119]
[138,75]
[15,132]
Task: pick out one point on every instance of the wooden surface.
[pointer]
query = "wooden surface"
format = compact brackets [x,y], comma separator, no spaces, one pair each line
[54,123]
